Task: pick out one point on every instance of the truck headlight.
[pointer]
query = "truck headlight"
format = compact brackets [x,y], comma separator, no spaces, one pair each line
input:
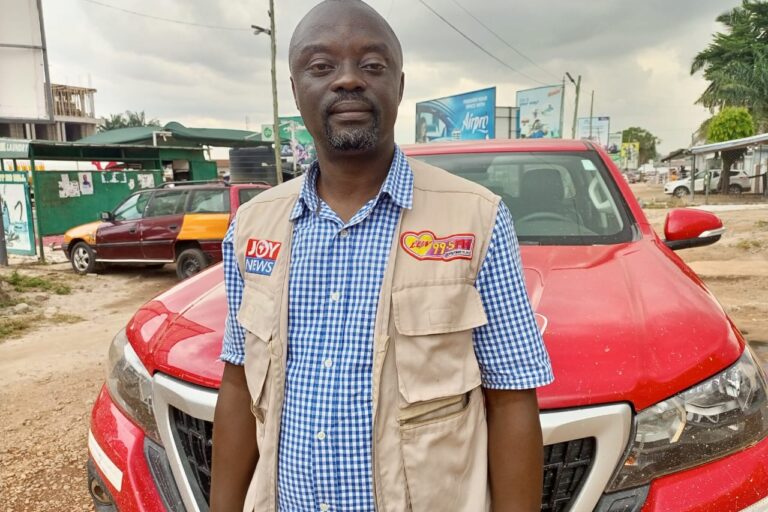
[722,415]
[130,385]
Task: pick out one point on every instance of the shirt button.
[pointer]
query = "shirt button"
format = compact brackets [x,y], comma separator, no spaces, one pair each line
[320,435]
[325,507]
[327,363]
[344,233]
[335,296]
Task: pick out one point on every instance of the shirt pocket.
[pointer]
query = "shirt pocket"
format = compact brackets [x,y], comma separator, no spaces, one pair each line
[257,315]
[435,357]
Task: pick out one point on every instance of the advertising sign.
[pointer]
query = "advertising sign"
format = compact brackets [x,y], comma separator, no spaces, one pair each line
[614,147]
[595,129]
[17,213]
[25,93]
[630,155]
[469,116]
[297,142]
[540,110]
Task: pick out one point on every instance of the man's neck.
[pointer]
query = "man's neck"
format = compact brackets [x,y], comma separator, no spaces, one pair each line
[347,183]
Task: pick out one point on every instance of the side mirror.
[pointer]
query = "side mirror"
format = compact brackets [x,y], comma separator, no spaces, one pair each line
[686,228]
[107,217]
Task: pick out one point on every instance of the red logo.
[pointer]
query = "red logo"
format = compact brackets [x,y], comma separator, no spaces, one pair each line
[424,245]
[264,249]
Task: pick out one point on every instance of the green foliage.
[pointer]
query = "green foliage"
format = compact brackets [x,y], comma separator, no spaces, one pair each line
[129,119]
[23,283]
[736,62]
[647,140]
[730,123]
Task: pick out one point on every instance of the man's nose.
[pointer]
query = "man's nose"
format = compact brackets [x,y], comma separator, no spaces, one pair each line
[350,78]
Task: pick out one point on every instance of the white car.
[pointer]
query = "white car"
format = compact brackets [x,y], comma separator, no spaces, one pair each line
[740,182]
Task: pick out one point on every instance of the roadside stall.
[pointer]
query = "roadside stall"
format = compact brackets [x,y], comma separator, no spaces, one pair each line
[756,174]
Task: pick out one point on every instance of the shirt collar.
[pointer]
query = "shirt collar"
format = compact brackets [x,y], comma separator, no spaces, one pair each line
[398,186]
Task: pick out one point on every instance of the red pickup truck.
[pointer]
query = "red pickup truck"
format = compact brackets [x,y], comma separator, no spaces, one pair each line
[658,404]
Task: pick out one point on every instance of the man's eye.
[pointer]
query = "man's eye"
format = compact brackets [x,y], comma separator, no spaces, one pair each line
[320,67]
[374,67]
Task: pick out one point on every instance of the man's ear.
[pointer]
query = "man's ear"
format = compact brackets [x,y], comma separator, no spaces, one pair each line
[293,90]
[402,88]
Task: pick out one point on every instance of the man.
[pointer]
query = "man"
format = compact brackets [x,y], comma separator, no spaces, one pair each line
[377,314]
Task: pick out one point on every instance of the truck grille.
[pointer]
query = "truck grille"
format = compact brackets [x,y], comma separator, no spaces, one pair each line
[195,438]
[566,466]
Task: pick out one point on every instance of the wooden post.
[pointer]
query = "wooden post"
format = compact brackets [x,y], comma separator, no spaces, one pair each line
[576,109]
[275,115]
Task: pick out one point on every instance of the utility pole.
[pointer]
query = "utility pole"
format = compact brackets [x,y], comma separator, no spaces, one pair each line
[3,247]
[577,83]
[591,113]
[275,115]
[562,109]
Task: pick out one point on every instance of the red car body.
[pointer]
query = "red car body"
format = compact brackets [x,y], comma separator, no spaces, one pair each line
[628,326]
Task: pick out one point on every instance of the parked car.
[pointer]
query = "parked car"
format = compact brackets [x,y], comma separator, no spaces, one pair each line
[181,223]
[658,402]
[739,182]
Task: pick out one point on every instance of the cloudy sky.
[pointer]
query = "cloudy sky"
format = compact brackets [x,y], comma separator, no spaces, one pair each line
[635,56]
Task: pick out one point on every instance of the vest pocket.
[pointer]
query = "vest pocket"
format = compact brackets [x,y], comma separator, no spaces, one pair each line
[257,316]
[434,354]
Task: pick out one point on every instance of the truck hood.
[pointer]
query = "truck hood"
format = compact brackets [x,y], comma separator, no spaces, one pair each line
[624,323]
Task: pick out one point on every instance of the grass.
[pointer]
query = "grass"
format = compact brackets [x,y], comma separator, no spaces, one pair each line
[748,245]
[23,283]
[12,326]
[761,224]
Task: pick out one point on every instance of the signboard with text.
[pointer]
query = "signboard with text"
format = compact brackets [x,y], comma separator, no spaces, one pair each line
[540,110]
[595,129]
[469,116]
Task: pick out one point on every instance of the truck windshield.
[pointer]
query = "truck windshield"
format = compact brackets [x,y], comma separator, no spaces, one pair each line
[555,198]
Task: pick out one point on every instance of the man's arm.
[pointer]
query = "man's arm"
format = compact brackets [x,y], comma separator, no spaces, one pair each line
[515,454]
[235,452]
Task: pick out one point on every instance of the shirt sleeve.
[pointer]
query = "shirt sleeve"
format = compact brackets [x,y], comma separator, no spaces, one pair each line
[233,346]
[509,347]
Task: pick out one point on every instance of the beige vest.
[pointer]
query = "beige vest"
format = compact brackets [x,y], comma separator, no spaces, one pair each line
[429,435]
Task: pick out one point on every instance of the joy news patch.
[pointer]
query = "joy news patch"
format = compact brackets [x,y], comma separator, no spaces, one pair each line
[425,245]
[260,256]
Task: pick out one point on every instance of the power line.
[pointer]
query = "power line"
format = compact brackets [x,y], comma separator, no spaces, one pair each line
[465,36]
[489,29]
[168,20]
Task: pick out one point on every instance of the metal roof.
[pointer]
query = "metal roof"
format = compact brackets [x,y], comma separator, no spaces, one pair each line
[180,135]
[731,144]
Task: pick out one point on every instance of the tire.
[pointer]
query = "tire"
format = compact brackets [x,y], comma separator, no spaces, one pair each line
[680,192]
[83,259]
[734,189]
[190,262]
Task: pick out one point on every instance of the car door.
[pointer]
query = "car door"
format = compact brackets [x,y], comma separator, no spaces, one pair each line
[121,238]
[161,224]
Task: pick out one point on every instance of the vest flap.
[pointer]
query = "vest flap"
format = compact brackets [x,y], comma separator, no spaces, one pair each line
[257,311]
[438,308]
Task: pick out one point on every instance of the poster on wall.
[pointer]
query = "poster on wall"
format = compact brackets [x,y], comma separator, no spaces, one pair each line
[468,116]
[540,110]
[17,215]
[595,129]
[86,183]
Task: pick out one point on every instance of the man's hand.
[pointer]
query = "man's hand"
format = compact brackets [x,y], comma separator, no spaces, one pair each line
[235,452]
[515,450]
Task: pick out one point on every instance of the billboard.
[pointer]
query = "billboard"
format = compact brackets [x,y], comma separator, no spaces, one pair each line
[596,129]
[468,116]
[17,213]
[630,155]
[297,142]
[614,147]
[540,112]
[25,92]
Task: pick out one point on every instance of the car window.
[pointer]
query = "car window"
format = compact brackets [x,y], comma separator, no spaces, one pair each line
[133,207]
[555,198]
[246,194]
[166,202]
[209,201]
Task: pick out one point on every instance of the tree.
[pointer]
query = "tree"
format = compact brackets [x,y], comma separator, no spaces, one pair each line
[127,120]
[647,140]
[736,62]
[731,123]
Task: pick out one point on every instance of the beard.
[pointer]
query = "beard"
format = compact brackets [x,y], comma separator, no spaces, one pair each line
[352,139]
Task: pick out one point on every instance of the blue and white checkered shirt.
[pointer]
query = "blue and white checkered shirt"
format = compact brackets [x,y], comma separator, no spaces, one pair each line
[325,444]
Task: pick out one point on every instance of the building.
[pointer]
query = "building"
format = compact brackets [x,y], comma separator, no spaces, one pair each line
[74,117]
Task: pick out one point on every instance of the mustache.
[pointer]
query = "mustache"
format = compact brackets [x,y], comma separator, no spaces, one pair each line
[349,96]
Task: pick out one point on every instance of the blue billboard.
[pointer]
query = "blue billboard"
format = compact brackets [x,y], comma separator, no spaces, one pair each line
[469,116]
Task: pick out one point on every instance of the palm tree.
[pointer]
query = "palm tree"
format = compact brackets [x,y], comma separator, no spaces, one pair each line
[127,120]
[736,62]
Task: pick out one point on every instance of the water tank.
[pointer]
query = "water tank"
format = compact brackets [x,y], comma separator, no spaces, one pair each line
[248,165]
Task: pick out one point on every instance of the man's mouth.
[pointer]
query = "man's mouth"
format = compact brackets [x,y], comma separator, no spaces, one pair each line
[351,111]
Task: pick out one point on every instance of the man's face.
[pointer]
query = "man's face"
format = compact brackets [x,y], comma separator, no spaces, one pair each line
[347,79]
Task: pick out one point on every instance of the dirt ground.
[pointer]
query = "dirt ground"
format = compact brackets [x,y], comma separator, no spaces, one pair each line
[50,376]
